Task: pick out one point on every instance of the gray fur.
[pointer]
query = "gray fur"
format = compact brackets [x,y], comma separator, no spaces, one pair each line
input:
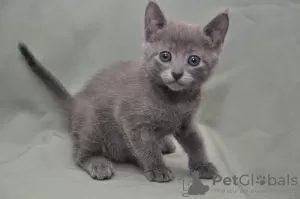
[57,88]
[127,112]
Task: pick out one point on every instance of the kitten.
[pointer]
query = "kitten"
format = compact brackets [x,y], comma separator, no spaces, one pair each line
[127,112]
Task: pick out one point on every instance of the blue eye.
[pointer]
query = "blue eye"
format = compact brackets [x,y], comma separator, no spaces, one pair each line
[165,56]
[194,60]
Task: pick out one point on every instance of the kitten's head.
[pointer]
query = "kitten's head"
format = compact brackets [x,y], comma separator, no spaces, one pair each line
[179,55]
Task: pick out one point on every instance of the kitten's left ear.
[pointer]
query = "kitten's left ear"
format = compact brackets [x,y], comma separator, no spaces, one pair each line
[154,19]
[217,29]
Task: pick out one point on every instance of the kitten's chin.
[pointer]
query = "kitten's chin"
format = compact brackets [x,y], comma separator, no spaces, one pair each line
[176,87]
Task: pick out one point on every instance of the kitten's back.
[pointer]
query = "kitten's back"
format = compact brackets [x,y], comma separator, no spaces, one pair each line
[122,78]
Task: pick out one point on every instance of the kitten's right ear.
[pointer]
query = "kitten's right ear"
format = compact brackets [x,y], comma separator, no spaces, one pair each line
[154,19]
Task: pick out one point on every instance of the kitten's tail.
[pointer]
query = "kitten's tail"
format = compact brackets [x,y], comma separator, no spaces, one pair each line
[47,78]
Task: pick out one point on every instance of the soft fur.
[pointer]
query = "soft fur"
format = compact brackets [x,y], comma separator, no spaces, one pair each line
[127,112]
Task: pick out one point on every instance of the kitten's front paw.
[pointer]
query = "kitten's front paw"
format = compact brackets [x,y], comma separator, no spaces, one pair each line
[206,171]
[100,168]
[160,174]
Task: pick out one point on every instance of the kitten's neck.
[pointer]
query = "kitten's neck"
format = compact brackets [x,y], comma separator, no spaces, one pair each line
[171,96]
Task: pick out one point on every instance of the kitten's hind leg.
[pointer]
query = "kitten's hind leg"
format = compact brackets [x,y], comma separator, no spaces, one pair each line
[167,145]
[97,167]
[88,141]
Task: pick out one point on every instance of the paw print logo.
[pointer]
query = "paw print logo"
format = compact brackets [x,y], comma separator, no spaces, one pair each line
[261,180]
[197,187]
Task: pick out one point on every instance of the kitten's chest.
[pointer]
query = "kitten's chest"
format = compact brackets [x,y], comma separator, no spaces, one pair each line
[180,111]
[168,119]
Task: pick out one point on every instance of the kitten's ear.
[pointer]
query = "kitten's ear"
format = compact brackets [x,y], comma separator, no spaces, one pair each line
[217,29]
[154,19]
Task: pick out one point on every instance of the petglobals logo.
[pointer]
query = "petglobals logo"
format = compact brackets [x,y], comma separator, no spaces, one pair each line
[246,184]
[261,180]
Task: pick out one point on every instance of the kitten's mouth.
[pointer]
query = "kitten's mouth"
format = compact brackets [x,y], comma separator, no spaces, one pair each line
[176,86]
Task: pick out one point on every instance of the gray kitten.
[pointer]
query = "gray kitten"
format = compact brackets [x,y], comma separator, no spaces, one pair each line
[127,112]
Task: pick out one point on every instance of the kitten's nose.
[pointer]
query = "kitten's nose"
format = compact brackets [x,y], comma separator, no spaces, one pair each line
[177,75]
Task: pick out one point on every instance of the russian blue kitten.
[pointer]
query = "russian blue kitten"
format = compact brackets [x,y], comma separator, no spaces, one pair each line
[127,112]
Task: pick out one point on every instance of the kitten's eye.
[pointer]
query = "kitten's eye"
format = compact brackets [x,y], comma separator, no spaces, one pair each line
[194,60]
[165,56]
